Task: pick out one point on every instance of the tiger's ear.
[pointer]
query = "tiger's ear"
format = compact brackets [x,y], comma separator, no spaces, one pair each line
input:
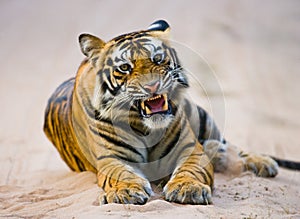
[160,28]
[90,44]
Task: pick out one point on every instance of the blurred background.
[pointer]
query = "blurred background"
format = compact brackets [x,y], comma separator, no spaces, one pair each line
[251,46]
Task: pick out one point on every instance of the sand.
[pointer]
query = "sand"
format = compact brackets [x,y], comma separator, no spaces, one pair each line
[252,48]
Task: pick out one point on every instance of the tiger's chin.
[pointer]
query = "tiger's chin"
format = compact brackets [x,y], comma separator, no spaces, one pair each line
[158,121]
[156,111]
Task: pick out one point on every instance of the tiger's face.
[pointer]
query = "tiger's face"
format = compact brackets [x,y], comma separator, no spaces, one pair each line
[139,72]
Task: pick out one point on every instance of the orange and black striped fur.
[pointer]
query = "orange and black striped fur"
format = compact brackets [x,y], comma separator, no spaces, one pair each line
[124,116]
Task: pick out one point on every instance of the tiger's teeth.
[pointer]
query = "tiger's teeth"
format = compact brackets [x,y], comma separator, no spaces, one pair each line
[143,105]
[148,111]
[165,106]
[154,98]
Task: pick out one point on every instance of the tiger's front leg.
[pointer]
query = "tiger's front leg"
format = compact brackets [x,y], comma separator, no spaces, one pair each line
[121,183]
[192,180]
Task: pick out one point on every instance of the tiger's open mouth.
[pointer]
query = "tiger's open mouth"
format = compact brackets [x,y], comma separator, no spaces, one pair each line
[158,103]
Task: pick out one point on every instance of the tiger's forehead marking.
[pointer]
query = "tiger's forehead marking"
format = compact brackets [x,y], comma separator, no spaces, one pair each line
[133,48]
[128,36]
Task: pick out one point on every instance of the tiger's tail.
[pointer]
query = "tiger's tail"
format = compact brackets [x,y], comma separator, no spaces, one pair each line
[287,164]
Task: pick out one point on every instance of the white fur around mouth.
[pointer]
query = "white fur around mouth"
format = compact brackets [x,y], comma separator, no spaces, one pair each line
[155,104]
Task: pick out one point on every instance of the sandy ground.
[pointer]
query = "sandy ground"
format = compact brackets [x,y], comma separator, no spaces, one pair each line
[253,48]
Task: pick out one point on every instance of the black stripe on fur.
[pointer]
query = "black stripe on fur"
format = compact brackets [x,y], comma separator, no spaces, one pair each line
[292,165]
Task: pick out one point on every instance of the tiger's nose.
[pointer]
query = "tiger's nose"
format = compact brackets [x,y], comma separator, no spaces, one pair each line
[152,87]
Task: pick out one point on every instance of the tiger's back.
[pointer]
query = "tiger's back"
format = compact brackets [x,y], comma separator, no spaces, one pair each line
[58,127]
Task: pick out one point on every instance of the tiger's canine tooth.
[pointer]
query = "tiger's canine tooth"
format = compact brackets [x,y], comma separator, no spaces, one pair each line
[143,105]
[165,106]
[148,111]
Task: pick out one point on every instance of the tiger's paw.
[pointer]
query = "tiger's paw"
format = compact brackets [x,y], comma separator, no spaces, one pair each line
[262,166]
[187,191]
[127,193]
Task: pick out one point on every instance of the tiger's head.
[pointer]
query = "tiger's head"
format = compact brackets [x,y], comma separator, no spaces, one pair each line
[139,72]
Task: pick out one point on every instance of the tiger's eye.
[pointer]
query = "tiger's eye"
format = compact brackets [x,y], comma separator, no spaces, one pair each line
[158,58]
[124,68]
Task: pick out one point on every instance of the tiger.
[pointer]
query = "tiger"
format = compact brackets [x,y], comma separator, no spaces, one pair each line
[125,117]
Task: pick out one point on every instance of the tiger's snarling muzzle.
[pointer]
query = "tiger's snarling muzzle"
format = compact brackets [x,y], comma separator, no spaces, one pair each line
[158,103]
